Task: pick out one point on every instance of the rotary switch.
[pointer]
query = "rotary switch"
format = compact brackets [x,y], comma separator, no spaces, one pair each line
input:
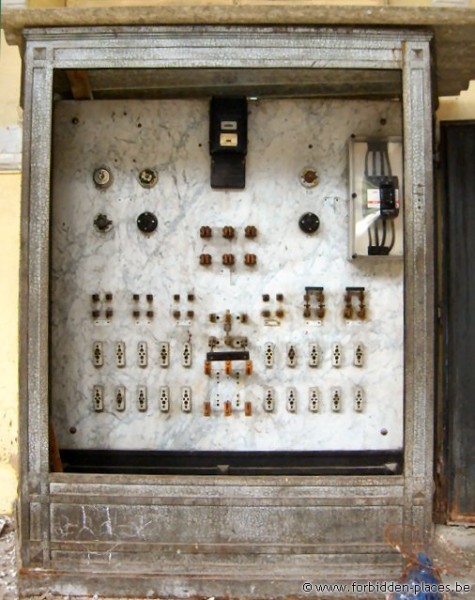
[102,177]
[309,222]
[147,222]
[102,223]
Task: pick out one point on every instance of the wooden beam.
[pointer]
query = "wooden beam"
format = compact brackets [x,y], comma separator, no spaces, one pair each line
[80,86]
[56,464]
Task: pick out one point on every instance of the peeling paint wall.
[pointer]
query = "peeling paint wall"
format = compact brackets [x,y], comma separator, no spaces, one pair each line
[454,108]
[9,257]
[10,123]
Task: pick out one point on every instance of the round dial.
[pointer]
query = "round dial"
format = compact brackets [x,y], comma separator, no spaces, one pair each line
[309,222]
[147,222]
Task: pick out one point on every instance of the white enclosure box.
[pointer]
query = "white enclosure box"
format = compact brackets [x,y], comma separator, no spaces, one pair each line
[376,197]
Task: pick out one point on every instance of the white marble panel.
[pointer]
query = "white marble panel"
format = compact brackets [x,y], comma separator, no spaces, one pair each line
[171,136]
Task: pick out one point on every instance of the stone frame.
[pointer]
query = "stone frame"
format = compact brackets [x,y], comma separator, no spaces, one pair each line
[273,551]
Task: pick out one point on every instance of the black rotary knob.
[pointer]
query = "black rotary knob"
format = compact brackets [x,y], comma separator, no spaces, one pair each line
[309,222]
[147,222]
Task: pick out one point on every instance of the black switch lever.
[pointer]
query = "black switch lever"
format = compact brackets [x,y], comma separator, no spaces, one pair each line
[228,142]
[388,204]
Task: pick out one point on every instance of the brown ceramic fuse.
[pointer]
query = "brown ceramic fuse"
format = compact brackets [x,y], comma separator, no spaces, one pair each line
[205,231]
[250,231]
[205,259]
[228,260]
[228,232]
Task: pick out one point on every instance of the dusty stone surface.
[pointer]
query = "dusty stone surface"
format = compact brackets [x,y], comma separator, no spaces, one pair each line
[8,570]
[453,548]
[453,27]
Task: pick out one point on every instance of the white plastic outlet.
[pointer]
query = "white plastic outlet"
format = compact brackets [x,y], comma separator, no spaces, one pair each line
[164,353]
[359,399]
[269,400]
[120,398]
[336,355]
[120,354]
[186,356]
[142,398]
[98,354]
[291,400]
[186,399]
[98,398]
[164,400]
[269,355]
[313,399]
[314,355]
[291,356]
[358,359]
[142,354]
[336,399]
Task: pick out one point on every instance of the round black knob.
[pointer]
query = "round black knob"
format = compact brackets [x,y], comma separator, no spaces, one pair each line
[309,222]
[147,222]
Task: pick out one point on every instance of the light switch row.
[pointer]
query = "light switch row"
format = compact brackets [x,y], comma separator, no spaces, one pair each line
[312,355]
[314,401]
[140,354]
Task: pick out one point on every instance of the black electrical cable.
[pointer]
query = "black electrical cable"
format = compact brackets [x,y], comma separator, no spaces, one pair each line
[379,150]
[393,235]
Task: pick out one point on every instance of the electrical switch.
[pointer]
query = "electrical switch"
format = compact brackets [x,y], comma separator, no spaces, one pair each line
[142,403]
[186,399]
[120,398]
[102,223]
[164,399]
[148,178]
[228,142]
[291,400]
[98,354]
[120,354]
[313,400]
[102,177]
[147,222]
[309,223]
[269,400]
[98,398]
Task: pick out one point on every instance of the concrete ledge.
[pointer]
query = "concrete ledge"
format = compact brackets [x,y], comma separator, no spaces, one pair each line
[453,28]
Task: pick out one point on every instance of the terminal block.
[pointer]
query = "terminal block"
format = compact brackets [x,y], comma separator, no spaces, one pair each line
[355,306]
[314,303]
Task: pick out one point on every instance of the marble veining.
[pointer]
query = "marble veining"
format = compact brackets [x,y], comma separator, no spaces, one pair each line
[171,136]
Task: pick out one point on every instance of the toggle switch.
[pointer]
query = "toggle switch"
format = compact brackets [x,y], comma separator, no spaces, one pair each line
[228,142]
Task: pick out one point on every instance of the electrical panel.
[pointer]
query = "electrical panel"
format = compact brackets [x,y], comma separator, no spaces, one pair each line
[376,197]
[191,316]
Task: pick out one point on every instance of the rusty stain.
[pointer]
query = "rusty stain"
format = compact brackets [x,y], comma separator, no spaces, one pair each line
[457,517]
